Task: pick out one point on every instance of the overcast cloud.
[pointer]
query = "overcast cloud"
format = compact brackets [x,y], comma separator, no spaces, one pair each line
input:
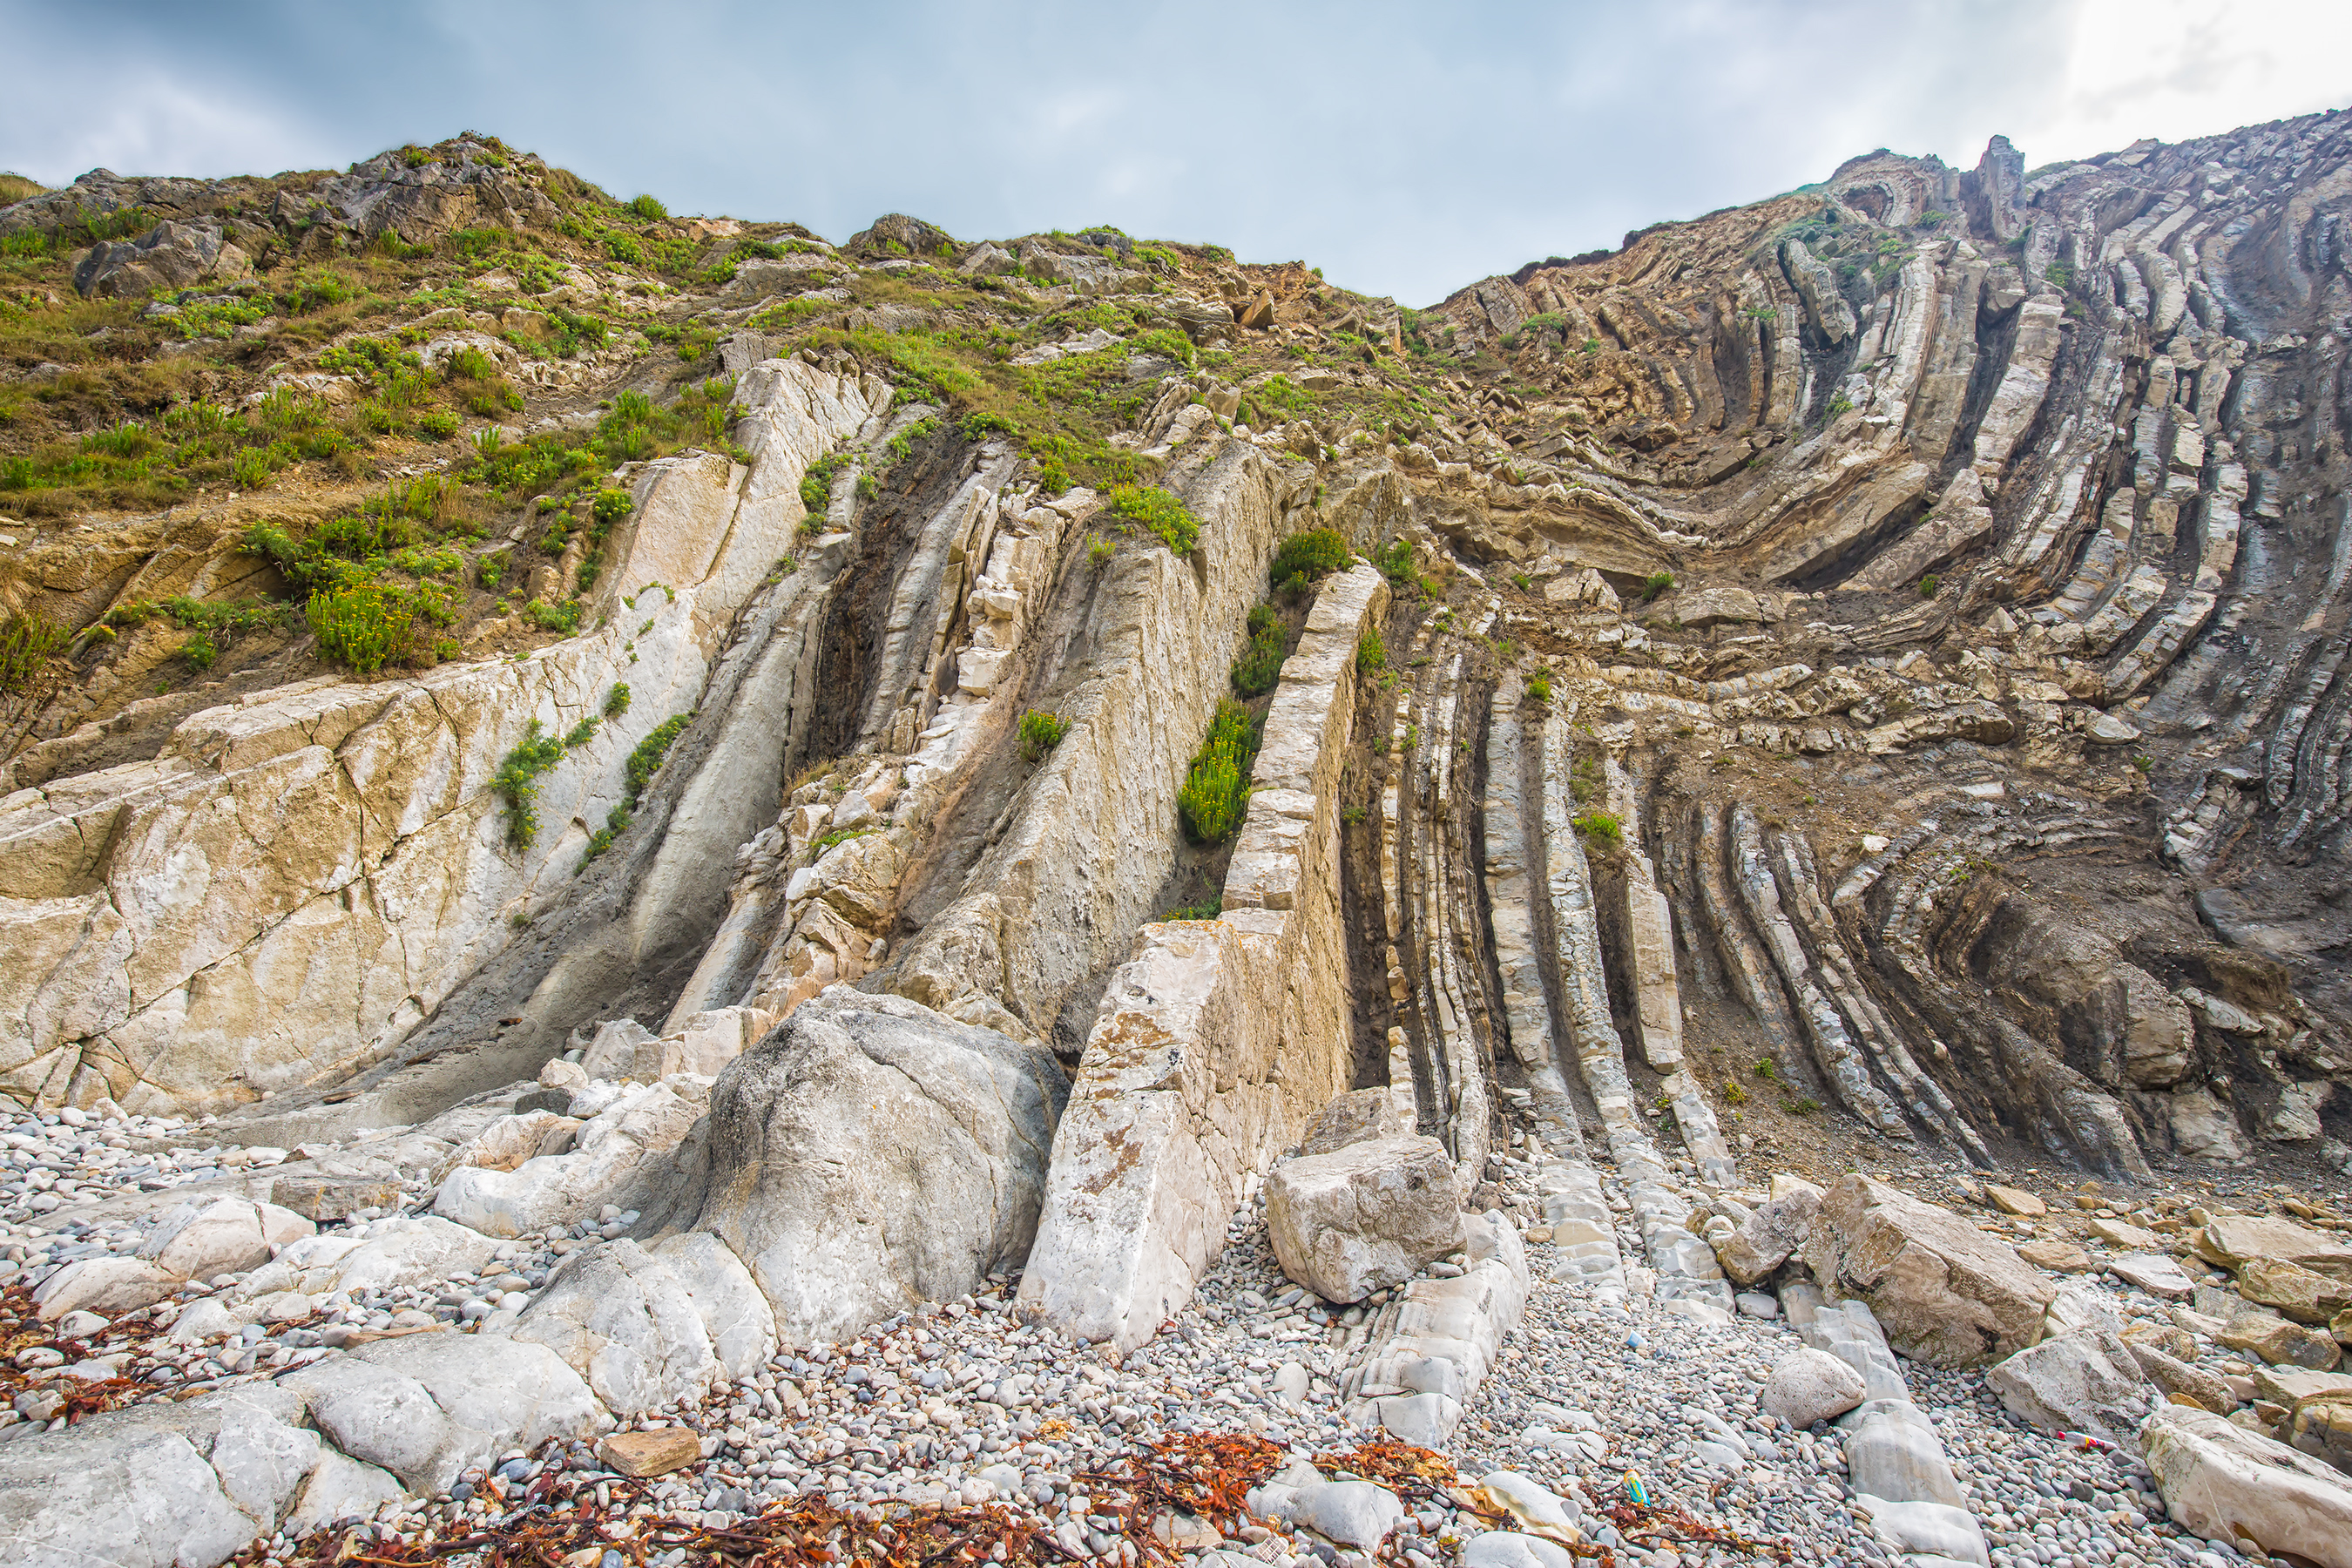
[1407,150]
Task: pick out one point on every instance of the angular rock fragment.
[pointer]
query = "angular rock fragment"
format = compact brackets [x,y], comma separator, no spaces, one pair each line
[1364,1217]
[2225,1483]
[2083,1381]
[1765,1239]
[1944,1291]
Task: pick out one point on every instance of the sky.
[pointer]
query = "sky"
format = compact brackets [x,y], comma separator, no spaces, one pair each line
[1407,150]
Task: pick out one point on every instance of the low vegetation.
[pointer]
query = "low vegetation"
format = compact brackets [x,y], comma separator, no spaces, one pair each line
[1259,668]
[1041,732]
[1215,793]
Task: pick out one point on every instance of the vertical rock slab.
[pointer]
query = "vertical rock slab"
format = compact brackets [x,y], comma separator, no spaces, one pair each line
[1218,1041]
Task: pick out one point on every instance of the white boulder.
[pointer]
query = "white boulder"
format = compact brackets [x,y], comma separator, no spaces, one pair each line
[645,1325]
[2086,1381]
[2227,1484]
[1363,1217]
[1810,1385]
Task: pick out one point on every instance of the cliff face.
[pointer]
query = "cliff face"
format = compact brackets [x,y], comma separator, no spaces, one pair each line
[1859,672]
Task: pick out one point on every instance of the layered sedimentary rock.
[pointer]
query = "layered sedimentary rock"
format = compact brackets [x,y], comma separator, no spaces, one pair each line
[1865,667]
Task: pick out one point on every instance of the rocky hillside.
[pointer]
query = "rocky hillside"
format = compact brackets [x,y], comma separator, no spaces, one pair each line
[777,783]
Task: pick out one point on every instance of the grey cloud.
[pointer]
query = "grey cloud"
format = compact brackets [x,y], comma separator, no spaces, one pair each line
[1405,149]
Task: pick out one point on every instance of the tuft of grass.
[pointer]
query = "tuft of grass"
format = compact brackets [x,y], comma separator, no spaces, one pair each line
[1395,561]
[27,641]
[1538,687]
[1215,794]
[1161,511]
[516,783]
[1099,552]
[1311,555]
[1656,583]
[1602,829]
[1371,653]
[1041,732]
[1928,585]
[1260,664]
[1201,911]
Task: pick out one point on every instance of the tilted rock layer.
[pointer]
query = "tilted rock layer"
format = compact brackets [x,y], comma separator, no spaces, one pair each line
[1863,666]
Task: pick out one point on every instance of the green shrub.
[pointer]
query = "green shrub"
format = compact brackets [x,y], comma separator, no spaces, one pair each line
[1371,653]
[1395,561]
[1538,687]
[26,643]
[645,209]
[612,505]
[1208,910]
[1928,585]
[362,626]
[643,764]
[1215,793]
[1840,404]
[1656,583]
[516,783]
[1160,512]
[563,619]
[816,485]
[1310,555]
[1099,552]
[1601,828]
[1260,664]
[647,760]
[439,425]
[1041,732]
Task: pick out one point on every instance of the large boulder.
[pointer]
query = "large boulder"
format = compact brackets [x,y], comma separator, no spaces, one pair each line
[381,1255]
[1364,1217]
[103,1285]
[614,1157]
[2182,1379]
[1765,1239]
[156,1486]
[169,256]
[1944,1292]
[871,1154]
[2294,1292]
[2232,1241]
[2225,1483]
[1355,1117]
[2278,1340]
[2083,1382]
[2323,1429]
[227,1235]
[645,1325]
[428,1408]
[1810,1385]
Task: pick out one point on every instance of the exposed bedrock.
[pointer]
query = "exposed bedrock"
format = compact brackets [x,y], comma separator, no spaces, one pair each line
[296,883]
[1862,674]
[1219,1040]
